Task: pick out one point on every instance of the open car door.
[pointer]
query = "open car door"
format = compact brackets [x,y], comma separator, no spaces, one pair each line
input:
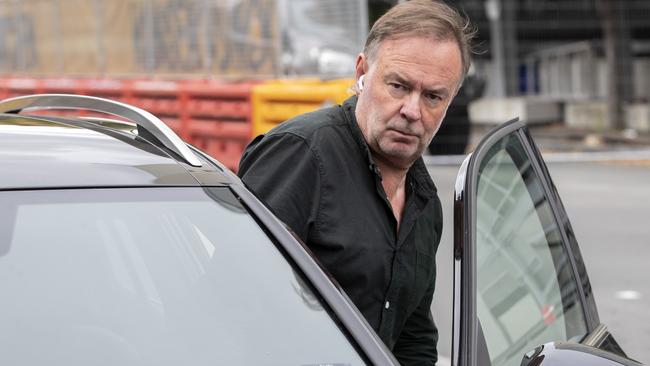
[521,291]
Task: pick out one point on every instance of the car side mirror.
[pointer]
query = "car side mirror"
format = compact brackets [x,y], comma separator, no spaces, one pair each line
[565,354]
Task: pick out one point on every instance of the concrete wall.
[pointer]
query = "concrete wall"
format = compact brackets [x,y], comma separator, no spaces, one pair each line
[528,109]
[637,116]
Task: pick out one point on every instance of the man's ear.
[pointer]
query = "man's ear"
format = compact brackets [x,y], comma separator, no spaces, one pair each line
[359,67]
[359,71]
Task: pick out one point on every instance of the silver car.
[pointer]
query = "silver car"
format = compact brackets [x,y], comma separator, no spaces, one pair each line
[122,245]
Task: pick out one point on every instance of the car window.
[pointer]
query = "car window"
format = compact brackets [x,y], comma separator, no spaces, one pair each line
[157,276]
[526,294]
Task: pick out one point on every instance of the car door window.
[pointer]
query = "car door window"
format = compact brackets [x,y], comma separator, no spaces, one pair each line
[526,292]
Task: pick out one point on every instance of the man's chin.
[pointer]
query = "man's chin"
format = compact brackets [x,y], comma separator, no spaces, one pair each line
[400,155]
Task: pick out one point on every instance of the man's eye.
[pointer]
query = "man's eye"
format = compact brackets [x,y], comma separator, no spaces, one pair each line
[397,86]
[433,97]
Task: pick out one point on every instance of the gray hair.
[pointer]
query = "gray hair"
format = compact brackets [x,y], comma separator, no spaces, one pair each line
[430,18]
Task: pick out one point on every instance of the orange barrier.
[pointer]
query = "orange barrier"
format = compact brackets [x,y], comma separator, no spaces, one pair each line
[160,98]
[13,87]
[217,117]
[114,89]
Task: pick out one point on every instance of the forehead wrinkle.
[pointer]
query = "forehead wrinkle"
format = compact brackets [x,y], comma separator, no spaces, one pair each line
[436,85]
[420,60]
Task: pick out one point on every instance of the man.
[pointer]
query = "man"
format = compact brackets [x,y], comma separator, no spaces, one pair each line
[350,181]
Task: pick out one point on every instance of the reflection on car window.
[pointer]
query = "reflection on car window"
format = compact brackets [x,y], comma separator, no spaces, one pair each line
[163,276]
[526,292]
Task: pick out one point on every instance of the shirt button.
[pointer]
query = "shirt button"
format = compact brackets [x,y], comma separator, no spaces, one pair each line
[387,305]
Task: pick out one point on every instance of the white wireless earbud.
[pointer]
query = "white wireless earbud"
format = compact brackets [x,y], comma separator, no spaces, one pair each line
[360,82]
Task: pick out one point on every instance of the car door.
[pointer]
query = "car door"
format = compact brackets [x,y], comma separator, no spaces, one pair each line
[521,290]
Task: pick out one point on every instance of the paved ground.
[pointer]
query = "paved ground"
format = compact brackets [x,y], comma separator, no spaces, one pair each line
[606,191]
[609,208]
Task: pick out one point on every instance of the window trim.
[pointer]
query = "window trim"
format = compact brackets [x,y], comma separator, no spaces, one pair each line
[568,236]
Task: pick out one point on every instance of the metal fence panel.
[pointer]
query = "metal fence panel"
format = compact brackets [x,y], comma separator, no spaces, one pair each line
[223,38]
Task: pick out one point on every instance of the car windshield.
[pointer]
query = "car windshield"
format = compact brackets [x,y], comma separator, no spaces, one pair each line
[152,276]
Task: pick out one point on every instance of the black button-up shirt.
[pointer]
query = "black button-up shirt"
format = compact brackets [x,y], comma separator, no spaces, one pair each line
[316,174]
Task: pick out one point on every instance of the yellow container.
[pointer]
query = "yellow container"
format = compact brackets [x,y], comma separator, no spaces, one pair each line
[279,100]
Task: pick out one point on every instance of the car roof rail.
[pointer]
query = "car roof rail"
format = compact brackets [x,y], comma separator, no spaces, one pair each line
[143,119]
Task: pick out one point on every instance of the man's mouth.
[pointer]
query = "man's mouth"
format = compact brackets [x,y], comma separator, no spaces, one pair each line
[404,133]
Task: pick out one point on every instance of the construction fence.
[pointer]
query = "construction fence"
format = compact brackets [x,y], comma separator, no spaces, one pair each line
[218,117]
[181,38]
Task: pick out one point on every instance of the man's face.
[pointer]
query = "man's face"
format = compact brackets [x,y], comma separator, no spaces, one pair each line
[408,86]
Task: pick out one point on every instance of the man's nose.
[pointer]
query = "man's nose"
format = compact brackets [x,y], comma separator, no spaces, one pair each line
[411,107]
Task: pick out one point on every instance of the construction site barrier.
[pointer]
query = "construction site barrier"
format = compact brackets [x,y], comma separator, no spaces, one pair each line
[13,87]
[218,117]
[160,98]
[276,101]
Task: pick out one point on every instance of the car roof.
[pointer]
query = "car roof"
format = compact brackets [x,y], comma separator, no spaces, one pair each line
[52,152]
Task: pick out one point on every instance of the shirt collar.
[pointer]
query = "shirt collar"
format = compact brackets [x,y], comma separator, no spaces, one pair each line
[418,173]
